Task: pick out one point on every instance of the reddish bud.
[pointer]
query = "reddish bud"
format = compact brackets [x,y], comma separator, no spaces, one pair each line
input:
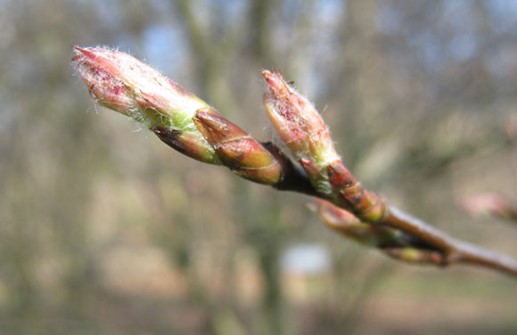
[301,128]
[297,121]
[346,223]
[416,256]
[367,205]
[123,83]
[240,152]
[390,240]
[490,204]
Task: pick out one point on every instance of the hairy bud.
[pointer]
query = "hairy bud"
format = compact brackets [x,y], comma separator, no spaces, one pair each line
[300,127]
[297,121]
[121,82]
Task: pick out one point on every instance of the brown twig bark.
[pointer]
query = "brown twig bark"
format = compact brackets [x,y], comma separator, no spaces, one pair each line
[451,250]
[454,250]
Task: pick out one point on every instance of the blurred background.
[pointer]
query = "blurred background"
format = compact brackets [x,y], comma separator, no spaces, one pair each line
[105,230]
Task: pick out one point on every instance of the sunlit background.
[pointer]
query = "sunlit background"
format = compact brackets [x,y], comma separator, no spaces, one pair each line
[105,230]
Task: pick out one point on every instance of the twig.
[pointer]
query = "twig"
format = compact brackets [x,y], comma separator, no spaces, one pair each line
[454,250]
[189,125]
[451,250]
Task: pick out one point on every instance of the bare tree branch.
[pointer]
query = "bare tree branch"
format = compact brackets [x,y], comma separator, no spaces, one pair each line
[191,126]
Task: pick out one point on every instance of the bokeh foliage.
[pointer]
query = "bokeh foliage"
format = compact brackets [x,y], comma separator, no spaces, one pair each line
[105,230]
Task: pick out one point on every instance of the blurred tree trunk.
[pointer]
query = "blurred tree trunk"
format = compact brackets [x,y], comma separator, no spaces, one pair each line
[206,53]
[361,87]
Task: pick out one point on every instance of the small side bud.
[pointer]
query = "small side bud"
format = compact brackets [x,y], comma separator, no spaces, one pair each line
[392,241]
[237,150]
[416,256]
[346,223]
[367,205]
[187,143]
